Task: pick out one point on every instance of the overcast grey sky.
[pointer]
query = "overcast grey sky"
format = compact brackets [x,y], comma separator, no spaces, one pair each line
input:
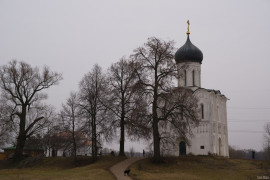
[70,36]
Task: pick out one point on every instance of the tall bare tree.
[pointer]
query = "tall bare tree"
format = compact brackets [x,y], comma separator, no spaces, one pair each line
[22,87]
[267,141]
[53,139]
[72,121]
[178,114]
[5,123]
[123,97]
[93,89]
[157,72]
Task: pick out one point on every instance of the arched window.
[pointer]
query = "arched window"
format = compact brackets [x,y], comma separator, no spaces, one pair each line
[199,77]
[185,77]
[182,148]
[193,77]
[202,111]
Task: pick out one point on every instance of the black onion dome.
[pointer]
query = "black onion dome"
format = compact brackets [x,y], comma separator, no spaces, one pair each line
[188,53]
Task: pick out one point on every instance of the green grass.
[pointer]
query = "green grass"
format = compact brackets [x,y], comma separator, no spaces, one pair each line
[59,168]
[199,168]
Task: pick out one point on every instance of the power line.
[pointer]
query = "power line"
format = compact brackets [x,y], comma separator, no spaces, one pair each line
[249,119]
[258,108]
[246,122]
[245,131]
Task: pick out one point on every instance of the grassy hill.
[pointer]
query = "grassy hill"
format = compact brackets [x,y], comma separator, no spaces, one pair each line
[200,168]
[60,168]
[187,167]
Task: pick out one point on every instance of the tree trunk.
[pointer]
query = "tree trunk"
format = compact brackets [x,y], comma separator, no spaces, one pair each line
[75,151]
[95,142]
[122,138]
[94,139]
[122,129]
[19,147]
[156,138]
[73,137]
[22,136]
[74,146]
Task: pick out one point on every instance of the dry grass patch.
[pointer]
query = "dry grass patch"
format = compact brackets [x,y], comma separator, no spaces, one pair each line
[200,167]
[62,169]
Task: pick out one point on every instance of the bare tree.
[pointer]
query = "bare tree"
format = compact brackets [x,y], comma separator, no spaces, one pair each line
[5,123]
[93,89]
[72,121]
[158,69]
[236,153]
[124,97]
[53,140]
[267,141]
[22,87]
[178,114]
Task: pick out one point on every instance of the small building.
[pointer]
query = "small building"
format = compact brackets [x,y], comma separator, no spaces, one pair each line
[2,156]
[28,151]
[64,145]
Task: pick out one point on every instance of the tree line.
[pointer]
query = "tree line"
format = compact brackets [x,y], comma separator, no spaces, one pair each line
[135,97]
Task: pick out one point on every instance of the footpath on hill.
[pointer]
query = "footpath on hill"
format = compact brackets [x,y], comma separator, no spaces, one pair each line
[119,168]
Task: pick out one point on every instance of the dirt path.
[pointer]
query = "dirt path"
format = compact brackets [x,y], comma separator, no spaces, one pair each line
[119,168]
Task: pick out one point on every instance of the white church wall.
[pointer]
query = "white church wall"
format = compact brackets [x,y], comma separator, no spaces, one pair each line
[224,132]
[200,144]
[185,72]
[203,131]
[215,116]
[211,135]
[220,132]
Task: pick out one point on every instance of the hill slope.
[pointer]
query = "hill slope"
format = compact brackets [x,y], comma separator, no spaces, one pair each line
[200,167]
[59,168]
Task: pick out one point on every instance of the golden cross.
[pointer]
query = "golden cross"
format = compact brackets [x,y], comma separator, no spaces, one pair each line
[188,27]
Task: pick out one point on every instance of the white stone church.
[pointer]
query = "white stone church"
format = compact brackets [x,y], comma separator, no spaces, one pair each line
[211,136]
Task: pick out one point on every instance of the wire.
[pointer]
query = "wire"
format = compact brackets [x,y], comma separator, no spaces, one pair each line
[261,108]
[245,131]
[249,119]
[246,122]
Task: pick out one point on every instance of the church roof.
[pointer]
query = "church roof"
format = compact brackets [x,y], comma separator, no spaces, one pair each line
[188,53]
[211,90]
